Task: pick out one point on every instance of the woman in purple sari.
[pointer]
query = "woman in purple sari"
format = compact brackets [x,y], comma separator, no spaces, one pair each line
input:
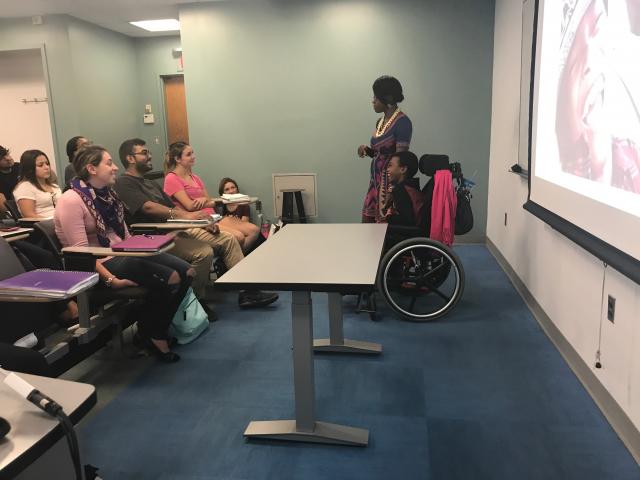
[392,134]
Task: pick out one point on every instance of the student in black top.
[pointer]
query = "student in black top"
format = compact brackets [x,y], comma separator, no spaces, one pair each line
[405,202]
[9,172]
[73,145]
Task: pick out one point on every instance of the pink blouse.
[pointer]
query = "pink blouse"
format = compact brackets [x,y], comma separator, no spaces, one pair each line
[174,184]
[75,226]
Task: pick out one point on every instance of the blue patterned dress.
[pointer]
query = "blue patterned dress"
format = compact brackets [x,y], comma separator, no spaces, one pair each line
[396,136]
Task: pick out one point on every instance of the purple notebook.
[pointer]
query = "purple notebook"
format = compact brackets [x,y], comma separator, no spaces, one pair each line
[142,243]
[48,283]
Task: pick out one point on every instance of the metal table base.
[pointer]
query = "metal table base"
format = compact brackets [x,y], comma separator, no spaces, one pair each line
[305,428]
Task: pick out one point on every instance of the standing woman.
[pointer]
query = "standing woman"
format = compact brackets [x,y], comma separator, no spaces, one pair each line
[392,134]
[36,193]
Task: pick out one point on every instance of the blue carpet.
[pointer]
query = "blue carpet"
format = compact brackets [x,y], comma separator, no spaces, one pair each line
[481,394]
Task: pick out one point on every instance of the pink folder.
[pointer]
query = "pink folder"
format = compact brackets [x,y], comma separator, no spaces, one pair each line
[142,243]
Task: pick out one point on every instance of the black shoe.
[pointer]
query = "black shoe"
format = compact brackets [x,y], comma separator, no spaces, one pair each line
[165,357]
[256,299]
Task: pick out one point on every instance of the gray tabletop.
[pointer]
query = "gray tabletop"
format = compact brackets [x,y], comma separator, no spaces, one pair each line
[32,430]
[312,257]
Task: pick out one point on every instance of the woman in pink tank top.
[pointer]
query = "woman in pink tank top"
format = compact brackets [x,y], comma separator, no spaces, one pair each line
[188,192]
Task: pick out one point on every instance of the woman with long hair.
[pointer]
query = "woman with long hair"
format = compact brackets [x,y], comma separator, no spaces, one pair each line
[36,192]
[91,214]
[188,192]
[235,218]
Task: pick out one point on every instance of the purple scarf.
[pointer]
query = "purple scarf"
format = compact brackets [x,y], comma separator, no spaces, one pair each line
[105,207]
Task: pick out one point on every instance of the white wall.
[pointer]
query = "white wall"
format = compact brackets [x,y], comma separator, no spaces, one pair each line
[564,279]
[24,126]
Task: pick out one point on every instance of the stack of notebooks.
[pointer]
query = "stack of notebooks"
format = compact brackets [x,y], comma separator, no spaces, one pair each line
[236,198]
[54,284]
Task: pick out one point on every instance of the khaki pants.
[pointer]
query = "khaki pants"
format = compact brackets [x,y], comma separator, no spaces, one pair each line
[224,244]
[197,246]
[199,255]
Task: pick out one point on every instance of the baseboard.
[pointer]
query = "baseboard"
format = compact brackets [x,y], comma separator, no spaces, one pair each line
[467,239]
[614,414]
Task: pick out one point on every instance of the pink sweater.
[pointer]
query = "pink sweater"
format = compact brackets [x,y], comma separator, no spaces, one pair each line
[75,226]
[443,208]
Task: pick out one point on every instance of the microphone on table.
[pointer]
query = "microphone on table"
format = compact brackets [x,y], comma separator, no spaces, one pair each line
[31,393]
[46,404]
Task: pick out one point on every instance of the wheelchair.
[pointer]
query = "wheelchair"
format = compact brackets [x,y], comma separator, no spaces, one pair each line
[422,279]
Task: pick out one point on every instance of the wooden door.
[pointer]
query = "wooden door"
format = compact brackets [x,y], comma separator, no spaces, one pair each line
[176,109]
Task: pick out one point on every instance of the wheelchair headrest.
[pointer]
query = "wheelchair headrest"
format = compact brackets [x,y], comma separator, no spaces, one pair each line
[430,163]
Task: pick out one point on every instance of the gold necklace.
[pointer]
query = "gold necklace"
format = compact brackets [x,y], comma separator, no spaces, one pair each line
[381,127]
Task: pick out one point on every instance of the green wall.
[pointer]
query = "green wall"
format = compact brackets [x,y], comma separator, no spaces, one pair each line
[286,87]
[105,74]
[92,72]
[19,33]
[281,87]
[154,59]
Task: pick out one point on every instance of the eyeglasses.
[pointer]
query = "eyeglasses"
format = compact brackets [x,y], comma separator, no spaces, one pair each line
[144,153]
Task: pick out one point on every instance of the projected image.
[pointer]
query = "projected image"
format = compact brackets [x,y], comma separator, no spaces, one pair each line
[597,121]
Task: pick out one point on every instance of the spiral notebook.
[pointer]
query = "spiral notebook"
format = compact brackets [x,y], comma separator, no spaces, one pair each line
[48,283]
[142,243]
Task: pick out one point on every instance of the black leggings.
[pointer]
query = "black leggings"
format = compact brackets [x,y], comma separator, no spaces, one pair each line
[153,273]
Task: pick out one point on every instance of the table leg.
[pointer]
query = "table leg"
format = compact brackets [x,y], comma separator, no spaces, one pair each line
[336,341]
[305,428]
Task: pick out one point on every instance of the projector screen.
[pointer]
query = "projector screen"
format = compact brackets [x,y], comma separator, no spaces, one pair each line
[584,139]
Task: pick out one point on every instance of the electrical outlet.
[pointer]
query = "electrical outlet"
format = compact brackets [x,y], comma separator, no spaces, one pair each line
[611,309]
[505,219]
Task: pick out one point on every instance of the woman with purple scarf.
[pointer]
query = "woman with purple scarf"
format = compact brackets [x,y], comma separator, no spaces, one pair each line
[91,214]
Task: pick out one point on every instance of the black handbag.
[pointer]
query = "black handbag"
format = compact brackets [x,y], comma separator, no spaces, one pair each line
[464,214]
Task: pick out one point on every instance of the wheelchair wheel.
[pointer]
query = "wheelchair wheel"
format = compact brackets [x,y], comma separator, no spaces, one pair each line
[421,279]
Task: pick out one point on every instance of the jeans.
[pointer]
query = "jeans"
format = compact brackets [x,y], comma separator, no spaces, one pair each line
[153,273]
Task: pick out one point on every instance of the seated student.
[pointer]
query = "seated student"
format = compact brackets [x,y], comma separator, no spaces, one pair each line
[3,205]
[405,201]
[73,145]
[236,217]
[9,173]
[36,194]
[91,214]
[188,192]
[146,202]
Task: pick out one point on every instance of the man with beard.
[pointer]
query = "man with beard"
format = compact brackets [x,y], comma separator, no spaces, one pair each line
[147,202]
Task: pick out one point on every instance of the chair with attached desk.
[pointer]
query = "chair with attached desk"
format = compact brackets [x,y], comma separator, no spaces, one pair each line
[12,207]
[107,307]
[64,349]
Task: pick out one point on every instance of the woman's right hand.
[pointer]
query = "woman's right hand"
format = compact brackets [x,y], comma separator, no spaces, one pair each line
[362,151]
[118,283]
[200,203]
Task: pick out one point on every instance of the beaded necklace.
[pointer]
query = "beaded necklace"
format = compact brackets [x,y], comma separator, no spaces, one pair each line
[381,127]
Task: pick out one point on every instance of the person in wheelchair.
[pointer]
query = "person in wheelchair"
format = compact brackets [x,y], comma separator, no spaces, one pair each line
[405,203]
[420,277]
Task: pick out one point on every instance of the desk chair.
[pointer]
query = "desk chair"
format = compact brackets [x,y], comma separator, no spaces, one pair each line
[64,350]
[12,207]
[108,307]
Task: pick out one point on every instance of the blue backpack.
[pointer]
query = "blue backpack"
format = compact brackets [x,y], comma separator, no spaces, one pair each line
[190,319]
